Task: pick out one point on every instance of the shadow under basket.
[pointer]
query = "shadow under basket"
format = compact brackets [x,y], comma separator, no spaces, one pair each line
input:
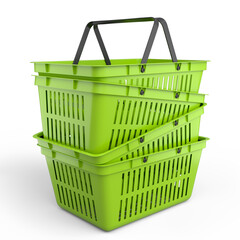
[112,195]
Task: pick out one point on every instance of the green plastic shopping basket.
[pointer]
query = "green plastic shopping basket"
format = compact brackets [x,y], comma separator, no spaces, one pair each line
[177,75]
[183,130]
[112,195]
[96,117]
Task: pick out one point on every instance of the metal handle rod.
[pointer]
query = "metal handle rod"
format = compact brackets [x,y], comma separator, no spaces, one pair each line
[149,44]
[101,44]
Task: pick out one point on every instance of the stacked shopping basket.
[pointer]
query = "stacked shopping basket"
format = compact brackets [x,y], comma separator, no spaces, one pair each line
[121,137]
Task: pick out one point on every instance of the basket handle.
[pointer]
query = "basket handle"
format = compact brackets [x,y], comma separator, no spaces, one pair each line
[149,44]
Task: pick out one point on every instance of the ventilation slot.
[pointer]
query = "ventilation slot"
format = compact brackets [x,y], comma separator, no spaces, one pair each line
[138,117]
[60,107]
[78,197]
[173,139]
[154,186]
[73,177]
[178,82]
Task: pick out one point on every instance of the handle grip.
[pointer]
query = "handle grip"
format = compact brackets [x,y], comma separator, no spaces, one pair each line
[149,43]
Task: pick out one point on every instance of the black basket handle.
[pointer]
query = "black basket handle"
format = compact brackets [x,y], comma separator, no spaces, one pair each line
[149,43]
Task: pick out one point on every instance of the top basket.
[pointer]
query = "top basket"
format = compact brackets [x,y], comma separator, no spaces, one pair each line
[173,74]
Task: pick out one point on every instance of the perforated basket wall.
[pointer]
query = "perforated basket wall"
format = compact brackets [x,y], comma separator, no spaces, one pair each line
[113,195]
[183,130]
[97,117]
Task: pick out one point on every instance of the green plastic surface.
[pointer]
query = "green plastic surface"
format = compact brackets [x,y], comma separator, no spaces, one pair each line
[164,137]
[96,117]
[159,73]
[112,195]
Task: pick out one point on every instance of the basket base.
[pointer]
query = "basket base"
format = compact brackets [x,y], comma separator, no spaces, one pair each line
[69,210]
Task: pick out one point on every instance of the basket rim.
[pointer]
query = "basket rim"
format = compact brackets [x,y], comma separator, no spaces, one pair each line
[117,62]
[112,168]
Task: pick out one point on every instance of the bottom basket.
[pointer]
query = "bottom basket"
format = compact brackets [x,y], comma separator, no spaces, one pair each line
[112,195]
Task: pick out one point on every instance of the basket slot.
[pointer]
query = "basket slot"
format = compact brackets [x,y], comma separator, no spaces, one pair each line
[129,109]
[62,109]
[64,132]
[183,110]
[188,80]
[65,191]
[131,207]
[84,205]
[164,171]
[77,205]
[80,180]
[179,110]
[119,110]
[70,105]
[139,109]
[73,177]
[155,174]
[67,177]
[151,113]
[144,115]
[79,200]
[158,114]
[67,133]
[50,101]
[61,193]
[55,171]
[171,82]
[185,83]
[66,105]
[153,198]
[126,208]
[135,204]
[162,114]
[133,112]
[58,130]
[152,120]
[74,193]
[59,196]
[146,201]
[174,111]
[120,211]
[173,139]
[71,199]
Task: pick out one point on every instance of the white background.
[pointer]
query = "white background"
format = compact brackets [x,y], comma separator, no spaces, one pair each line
[51,30]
